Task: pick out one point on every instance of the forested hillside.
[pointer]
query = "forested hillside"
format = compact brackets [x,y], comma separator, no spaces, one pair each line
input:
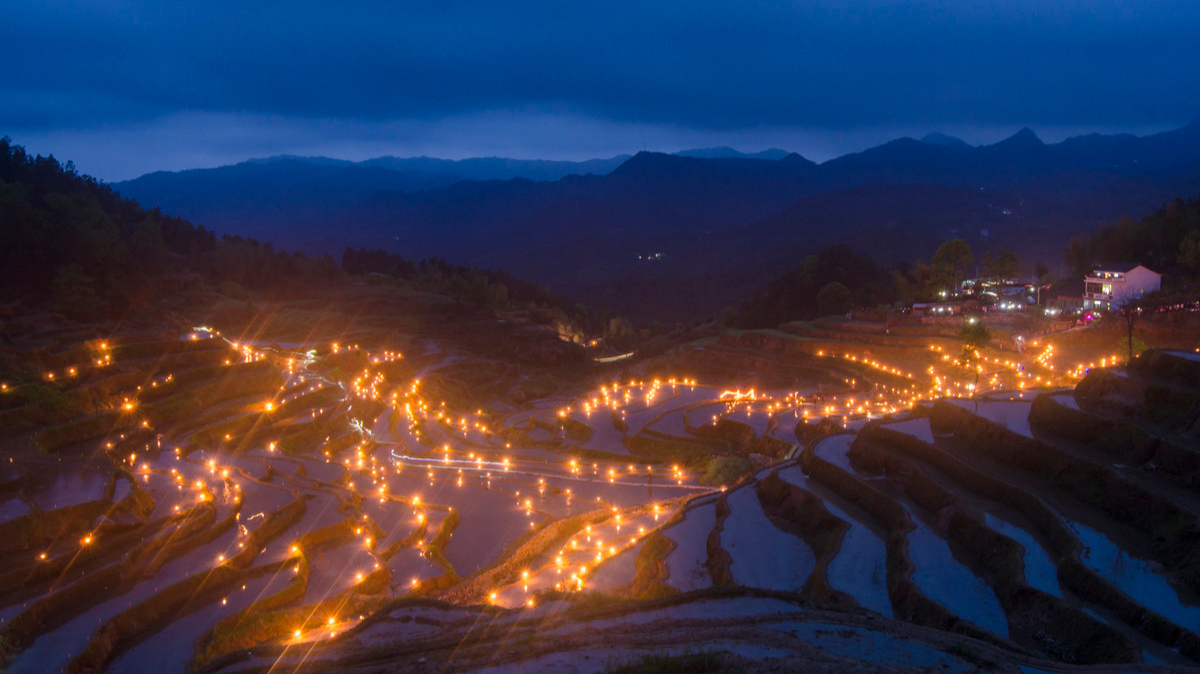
[93,254]
[78,247]
[1167,240]
[837,280]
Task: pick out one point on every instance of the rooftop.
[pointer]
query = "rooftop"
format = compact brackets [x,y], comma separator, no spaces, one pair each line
[1118,268]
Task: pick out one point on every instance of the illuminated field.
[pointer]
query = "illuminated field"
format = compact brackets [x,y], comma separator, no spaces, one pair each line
[233,495]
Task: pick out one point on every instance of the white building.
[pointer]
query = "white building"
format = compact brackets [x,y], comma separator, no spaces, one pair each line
[1112,286]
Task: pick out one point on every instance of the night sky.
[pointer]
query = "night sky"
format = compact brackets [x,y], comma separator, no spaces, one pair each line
[127,87]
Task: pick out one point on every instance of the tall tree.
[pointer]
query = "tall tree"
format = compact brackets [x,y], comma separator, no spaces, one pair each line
[974,336]
[1131,310]
[835,298]
[1189,251]
[950,263]
[1003,265]
[1078,256]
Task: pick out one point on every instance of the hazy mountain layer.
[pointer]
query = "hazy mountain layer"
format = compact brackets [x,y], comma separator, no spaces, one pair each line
[678,237]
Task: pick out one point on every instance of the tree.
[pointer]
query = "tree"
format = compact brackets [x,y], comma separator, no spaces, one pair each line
[834,299]
[1157,239]
[1130,310]
[975,336]
[73,294]
[1189,250]
[951,262]
[912,283]
[147,246]
[619,333]
[1004,264]
[793,295]
[1078,256]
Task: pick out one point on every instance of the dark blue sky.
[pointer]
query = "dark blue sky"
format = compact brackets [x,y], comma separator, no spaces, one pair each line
[128,86]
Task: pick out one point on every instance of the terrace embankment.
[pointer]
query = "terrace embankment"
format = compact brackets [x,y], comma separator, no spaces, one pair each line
[977,536]
[763,360]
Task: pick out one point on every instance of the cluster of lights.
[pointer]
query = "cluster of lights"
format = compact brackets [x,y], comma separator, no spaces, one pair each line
[366,386]
[573,562]
[102,358]
[581,553]
[616,396]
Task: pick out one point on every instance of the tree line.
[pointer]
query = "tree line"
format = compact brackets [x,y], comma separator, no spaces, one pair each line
[491,289]
[837,280]
[70,242]
[1167,241]
[73,242]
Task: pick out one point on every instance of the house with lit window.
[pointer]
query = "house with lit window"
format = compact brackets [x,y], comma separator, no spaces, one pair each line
[1112,286]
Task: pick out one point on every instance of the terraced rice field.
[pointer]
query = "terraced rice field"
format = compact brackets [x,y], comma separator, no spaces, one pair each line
[238,490]
[245,503]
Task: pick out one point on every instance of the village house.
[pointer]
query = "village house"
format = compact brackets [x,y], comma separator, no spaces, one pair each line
[1112,286]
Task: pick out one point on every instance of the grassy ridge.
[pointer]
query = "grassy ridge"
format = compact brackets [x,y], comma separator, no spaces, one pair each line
[650,568]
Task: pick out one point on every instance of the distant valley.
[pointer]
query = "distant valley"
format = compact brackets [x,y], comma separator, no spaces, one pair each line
[678,237]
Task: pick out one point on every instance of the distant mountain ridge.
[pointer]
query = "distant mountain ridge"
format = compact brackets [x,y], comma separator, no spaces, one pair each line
[724,152]
[504,168]
[937,138]
[472,168]
[712,224]
[1023,162]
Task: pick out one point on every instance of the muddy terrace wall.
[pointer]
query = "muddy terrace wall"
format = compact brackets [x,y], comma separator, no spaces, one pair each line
[873,333]
[1174,531]
[718,559]
[650,568]
[1118,437]
[801,513]
[756,360]
[39,528]
[989,438]
[152,614]
[1158,386]
[1036,619]
[740,438]
[1166,404]
[1171,367]
[193,528]
[827,369]
[908,602]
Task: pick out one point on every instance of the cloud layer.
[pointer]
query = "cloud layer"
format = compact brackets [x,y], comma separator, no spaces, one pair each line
[220,80]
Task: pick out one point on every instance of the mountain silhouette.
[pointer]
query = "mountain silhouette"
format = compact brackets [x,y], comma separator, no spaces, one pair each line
[718,222]
[936,138]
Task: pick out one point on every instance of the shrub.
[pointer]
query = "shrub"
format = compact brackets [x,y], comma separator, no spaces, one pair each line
[725,470]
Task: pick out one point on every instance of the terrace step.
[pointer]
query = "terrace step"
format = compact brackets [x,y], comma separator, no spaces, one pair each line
[1181,367]
[908,601]
[1154,463]
[1162,406]
[1044,508]
[1173,531]
[1037,617]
